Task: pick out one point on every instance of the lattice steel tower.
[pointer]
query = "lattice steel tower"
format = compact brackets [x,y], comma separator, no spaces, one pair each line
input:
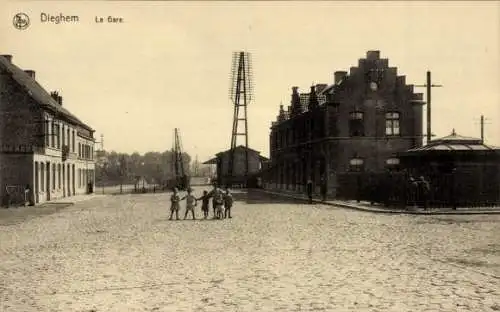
[241,93]
[177,156]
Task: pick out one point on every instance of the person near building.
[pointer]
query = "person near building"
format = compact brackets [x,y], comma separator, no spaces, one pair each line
[413,192]
[27,196]
[191,202]
[174,204]
[309,189]
[424,192]
[228,204]
[324,188]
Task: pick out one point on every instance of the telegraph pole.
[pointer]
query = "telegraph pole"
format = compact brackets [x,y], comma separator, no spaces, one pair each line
[482,129]
[429,87]
[482,123]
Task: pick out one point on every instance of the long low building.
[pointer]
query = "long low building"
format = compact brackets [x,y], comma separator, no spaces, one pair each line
[240,174]
[46,152]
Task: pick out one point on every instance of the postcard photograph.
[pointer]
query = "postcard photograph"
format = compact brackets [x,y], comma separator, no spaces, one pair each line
[249,156]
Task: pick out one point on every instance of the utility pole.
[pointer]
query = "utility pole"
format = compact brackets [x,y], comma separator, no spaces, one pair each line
[429,86]
[482,123]
[482,129]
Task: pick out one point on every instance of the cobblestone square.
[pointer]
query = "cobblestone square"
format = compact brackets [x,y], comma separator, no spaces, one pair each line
[120,253]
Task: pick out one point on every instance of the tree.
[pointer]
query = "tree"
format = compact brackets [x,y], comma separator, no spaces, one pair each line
[115,168]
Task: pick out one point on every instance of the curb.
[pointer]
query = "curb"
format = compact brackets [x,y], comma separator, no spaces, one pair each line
[386,211]
[69,202]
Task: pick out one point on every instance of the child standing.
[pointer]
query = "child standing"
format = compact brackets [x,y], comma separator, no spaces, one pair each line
[219,203]
[174,204]
[204,204]
[228,203]
[190,203]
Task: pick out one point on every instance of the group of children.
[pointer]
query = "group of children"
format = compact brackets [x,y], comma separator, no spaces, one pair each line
[222,202]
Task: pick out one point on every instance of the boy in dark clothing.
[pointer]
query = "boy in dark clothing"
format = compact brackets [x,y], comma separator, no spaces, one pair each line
[214,206]
[228,203]
[309,189]
[212,194]
[424,191]
[205,199]
[324,189]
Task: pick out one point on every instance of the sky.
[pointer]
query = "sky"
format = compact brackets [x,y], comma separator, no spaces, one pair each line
[168,64]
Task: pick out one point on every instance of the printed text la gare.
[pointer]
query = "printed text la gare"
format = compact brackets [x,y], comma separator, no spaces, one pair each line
[109,19]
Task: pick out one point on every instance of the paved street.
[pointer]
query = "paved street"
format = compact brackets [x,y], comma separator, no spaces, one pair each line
[120,253]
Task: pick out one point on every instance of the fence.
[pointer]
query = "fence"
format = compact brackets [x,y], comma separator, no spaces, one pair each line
[458,189]
[128,189]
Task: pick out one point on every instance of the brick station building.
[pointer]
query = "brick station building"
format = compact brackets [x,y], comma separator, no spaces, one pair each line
[355,124]
[42,145]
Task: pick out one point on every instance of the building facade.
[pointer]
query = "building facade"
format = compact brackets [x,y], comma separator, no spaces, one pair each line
[238,176]
[355,124]
[44,148]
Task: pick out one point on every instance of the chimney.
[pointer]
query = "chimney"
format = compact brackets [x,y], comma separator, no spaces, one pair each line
[313,99]
[8,57]
[281,116]
[54,95]
[30,72]
[401,80]
[296,106]
[372,55]
[339,76]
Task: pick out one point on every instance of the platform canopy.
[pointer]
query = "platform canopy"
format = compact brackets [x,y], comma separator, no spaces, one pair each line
[452,143]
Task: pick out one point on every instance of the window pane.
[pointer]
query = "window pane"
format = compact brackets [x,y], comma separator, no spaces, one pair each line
[392,115]
[392,161]
[356,162]
[356,115]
